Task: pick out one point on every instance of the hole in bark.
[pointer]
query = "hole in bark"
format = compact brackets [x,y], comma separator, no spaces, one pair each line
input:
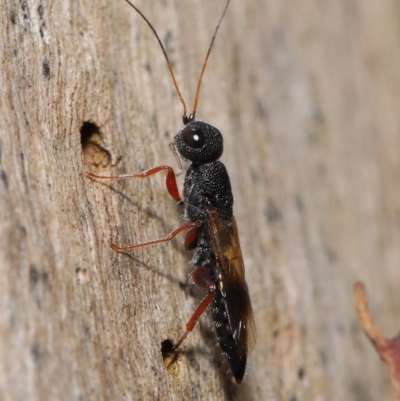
[166,348]
[170,357]
[94,153]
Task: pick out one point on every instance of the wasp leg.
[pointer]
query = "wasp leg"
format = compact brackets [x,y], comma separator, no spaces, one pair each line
[202,277]
[170,181]
[190,236]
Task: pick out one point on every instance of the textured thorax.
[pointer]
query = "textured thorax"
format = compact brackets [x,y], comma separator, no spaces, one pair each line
[207,183]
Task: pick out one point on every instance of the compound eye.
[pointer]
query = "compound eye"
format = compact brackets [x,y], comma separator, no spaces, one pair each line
[193,137]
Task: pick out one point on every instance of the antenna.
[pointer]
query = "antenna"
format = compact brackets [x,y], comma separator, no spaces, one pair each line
[196,98]
[192,116]
[165,55]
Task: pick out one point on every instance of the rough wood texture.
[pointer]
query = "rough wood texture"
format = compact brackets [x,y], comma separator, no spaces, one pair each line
[307,95]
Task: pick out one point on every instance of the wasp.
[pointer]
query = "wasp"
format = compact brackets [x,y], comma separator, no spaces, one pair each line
[211,229]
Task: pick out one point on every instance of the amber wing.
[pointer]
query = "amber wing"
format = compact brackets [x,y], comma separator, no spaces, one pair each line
[232,283]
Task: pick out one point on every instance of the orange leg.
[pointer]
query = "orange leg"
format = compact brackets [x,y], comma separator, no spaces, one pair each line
[193,227]
[170,181]
[202,277]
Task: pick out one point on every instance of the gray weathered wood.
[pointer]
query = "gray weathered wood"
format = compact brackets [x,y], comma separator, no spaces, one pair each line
[307,95]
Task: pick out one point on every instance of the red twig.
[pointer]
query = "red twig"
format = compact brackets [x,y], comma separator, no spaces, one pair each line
[388,349]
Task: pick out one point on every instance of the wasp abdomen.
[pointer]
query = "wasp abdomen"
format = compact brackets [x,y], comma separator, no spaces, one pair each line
[235,354]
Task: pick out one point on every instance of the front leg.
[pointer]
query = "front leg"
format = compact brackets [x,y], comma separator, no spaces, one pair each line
[170,181]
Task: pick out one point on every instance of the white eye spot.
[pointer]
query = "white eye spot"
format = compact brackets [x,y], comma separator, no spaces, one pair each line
[196,137]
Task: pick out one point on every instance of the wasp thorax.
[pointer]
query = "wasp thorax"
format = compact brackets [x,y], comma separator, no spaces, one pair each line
[199,142]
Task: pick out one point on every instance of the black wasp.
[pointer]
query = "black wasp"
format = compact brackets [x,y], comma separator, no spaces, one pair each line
[212,232]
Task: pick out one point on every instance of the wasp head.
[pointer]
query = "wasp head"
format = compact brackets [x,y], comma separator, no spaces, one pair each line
[199,143]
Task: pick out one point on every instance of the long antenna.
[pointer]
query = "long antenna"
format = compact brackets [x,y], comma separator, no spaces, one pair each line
[165,55]
[196,98]
[185,118]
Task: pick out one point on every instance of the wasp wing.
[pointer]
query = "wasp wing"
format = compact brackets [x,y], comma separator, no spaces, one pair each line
[231,280]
